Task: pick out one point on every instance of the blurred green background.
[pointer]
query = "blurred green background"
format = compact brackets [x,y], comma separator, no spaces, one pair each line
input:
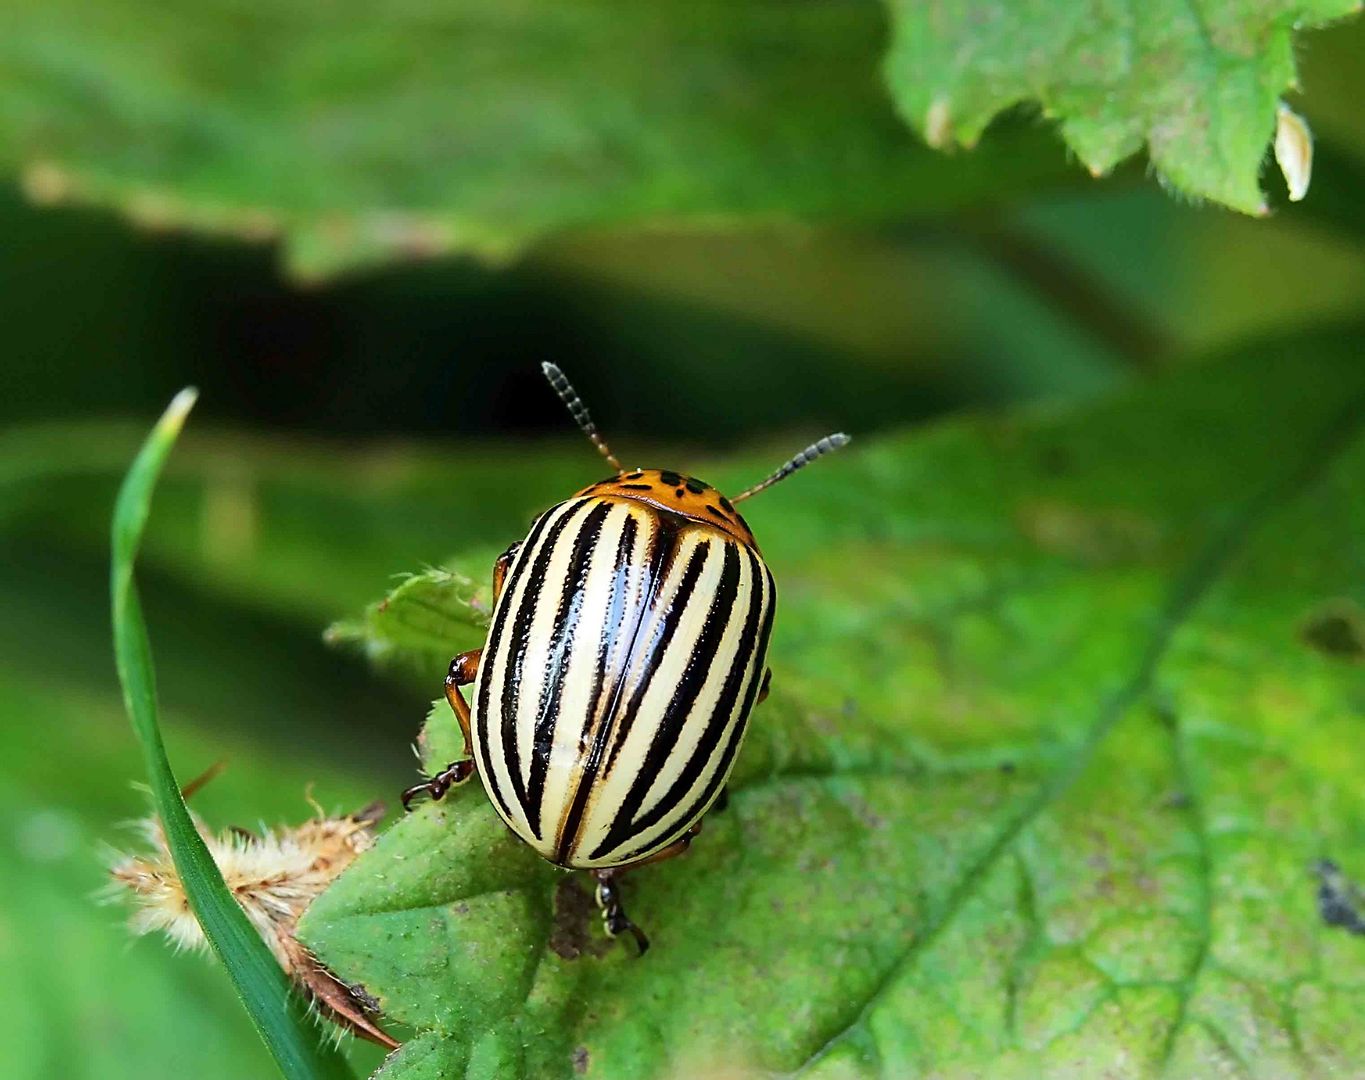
[365,425]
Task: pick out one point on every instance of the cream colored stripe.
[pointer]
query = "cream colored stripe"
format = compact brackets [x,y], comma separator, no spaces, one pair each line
[736,714]
[578,676]
[664,677]
[501,778]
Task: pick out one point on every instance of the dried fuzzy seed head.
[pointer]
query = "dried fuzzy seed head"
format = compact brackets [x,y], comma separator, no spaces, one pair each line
[274,876]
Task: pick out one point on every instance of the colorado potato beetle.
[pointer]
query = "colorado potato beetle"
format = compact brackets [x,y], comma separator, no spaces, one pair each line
[627,648]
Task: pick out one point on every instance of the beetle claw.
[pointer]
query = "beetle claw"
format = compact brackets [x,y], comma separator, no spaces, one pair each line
[451,776]
[614,918]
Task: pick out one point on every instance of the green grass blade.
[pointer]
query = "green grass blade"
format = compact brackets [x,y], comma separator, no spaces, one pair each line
[299,1046]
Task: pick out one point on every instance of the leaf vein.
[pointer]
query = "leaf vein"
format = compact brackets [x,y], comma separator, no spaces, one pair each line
[1200,574]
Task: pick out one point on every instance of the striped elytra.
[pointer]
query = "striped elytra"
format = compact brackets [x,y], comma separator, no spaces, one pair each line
[627,649]
[626,653]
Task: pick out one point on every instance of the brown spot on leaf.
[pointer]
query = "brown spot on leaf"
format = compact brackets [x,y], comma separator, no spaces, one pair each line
[364,998]
[575,912]
[1337,629]
[1097,537]
[580,1060]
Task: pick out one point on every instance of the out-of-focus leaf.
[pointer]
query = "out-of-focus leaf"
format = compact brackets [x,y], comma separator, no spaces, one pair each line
[417,621]
[1058,729]
[355,134]
[1195,81]
[299,1048]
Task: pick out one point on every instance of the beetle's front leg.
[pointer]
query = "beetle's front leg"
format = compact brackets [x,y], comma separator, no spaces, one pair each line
[501,565]
[463,671]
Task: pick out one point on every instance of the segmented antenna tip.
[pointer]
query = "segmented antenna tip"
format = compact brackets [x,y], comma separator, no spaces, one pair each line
[560,384]
[815,450]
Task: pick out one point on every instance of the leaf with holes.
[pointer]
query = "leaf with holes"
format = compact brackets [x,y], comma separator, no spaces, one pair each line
[1197,82]
[1064,734]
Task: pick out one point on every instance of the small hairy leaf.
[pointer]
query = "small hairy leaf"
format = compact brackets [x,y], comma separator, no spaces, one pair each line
[1197,82]
[299,1047]
[417,621]
[1064,725]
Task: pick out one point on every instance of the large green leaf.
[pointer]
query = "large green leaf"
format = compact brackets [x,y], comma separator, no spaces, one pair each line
[1195,81]
[1065,709]
[357,134]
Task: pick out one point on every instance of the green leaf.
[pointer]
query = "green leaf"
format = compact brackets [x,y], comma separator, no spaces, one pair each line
[477,126]
[1065,709]
[298,1046]
[418,620]
[1195,81]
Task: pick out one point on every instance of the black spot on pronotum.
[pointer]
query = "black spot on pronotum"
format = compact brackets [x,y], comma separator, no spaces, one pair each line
[636,475]
[694,486]
[1337,629]
[1341,902]
[670,479]
[678,494]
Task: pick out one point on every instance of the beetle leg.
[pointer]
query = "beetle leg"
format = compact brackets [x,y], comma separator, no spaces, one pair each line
[674,849]
[451,776]
[614,917]
[463,670]
[609,892]
[765,686]
[501,565]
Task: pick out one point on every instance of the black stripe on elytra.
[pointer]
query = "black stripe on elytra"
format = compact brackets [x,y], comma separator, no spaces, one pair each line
[664,629]
[721,714]
[694,677]
[612,630]
[615,613]
[727,755]
[519,638]
[663,549]
[490,653]
[559,656]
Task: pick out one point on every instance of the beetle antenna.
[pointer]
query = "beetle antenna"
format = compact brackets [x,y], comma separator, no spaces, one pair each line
[827,445]
[579,412]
